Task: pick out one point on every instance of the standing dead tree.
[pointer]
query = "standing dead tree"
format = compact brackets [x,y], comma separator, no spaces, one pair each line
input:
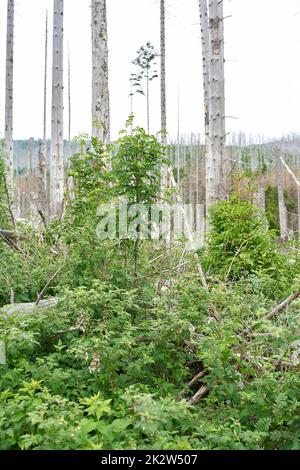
[281,201]
[100,85]
[214,92]
[57,140]
[163,99]
[205,61]
[9,94]
[43,143]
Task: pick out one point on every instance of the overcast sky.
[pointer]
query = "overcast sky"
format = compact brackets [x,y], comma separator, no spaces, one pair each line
[262,44]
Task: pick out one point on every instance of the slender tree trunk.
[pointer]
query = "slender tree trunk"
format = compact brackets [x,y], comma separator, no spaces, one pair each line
[163,69]
[148,104]
[100,88]
[30,194]
[9,95]
[164,173]
[42,178]
[261,195]
[281,202]
[298,207]
[30,161]
[215,161]
[43,144]
[57,153]
[70,178]
[45,79]
[205,61]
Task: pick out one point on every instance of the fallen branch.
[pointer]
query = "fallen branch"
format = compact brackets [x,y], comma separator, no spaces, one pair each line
[290,172]
[10,242]
[282,306]
[73,329]
[200,394]
[41,294]
[191,383]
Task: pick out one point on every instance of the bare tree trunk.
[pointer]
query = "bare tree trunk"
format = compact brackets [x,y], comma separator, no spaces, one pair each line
[148,104]
[45,79]
[163,100]
[100,88]
[261,195]
[29,166]
[57,153]
[70,178]
[163,69]
[298,207]
[205,61]
[281,202]
[43,144]
[9,94]
[215,161]
[42,178]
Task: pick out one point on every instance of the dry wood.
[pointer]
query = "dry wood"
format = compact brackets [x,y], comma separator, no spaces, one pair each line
[200,375]
[215,160]
[57,122]
[200,394]
[25,308]
[9,94]
[281,201]
[282,306]
[51,279]
[100,89]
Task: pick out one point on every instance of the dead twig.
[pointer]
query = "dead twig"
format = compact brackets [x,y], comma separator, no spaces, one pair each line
[41,294]
[200,375]
[282,306]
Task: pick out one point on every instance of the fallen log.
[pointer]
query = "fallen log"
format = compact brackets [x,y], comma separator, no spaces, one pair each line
[30,307]
[197,397]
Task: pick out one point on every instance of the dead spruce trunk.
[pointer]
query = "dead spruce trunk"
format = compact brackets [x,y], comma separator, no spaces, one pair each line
[42,157]
[163,100]
[100,89]
[215,160]
[205,61]
[281,202]
[57,141]
[8,134]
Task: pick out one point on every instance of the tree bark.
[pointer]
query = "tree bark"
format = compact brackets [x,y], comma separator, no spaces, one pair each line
[8,134]
[42,177]
[282,306]
[57,140]
[42,156]
[205,61]
[215,160]
[281,202]
[163,100]
[100,86]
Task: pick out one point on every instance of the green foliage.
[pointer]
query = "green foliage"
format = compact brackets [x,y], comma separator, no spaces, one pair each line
[144,62]
[136,167]
[240,244]
[106,366]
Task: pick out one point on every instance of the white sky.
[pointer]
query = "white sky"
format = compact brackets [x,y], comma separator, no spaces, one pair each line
[262,46]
